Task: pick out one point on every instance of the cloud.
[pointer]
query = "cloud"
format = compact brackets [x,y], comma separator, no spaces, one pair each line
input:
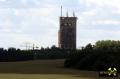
[102,6]
[102,2]
[98,20]
[86,36]
[24,2]
[35,25]
[90,13]
[107,22]
[38,20]
[2,0]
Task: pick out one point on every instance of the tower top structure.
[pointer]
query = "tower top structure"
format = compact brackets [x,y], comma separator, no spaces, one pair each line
[67,13]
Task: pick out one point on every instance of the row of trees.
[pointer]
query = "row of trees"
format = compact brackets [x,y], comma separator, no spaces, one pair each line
[91,57]
[101,55]
[13,54]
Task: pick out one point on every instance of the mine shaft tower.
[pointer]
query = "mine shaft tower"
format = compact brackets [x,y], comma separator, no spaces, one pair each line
[67,31]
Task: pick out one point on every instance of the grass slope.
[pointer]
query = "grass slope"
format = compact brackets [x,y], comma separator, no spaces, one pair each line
[42,69]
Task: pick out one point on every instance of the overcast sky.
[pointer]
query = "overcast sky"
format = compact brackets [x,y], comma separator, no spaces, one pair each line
[37,21]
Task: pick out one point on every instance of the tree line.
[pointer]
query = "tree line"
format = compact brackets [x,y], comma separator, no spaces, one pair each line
[13,54]
[100,56]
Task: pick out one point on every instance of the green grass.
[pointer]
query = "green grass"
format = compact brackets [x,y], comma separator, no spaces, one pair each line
[42,69]
[39,76]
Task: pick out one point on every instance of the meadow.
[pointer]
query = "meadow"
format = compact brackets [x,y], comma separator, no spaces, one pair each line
[42,69]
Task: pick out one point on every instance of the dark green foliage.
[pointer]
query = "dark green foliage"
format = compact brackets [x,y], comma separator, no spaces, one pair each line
[96,57]
[13,54]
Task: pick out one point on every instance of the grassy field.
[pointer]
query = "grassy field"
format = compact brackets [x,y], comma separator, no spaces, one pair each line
[42,69]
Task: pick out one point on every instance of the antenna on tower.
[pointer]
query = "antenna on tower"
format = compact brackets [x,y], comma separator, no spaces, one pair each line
[73,14]
[61,10]
[67,14]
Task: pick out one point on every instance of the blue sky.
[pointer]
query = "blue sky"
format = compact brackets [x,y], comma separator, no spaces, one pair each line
[37,21]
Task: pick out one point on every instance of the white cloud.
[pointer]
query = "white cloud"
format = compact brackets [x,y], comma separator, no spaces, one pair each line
[89,13]
[103,2]
[16,12]
[6,26]
[106,21]
[40,12]
[112,5]
[40,24]
[2,0]
[24,2]
[91,36]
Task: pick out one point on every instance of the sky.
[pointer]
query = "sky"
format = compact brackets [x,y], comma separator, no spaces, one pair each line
[37,21]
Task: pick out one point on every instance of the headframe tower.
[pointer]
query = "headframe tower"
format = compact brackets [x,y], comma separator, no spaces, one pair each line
[67,31]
